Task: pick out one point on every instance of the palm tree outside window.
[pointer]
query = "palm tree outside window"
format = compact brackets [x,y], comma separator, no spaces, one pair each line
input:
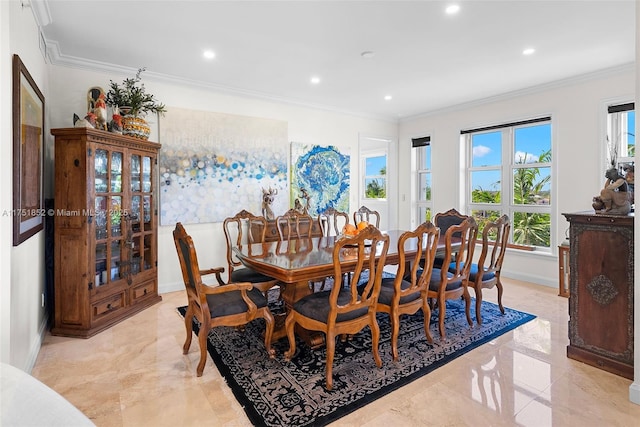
[509,172]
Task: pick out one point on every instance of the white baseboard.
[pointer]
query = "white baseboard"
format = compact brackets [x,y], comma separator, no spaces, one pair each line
[537,280]
[34,349]
[165,288]
[634,393]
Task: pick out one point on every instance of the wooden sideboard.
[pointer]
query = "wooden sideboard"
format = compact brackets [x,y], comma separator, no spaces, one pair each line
[272,230]
[601,291]
[563,270]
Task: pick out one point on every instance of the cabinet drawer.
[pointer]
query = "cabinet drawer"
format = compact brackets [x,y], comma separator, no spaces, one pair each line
[143,291]
[107,306]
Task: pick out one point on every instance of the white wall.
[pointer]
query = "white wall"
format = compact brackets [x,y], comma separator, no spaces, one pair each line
[22,268]
[578,111]
[311,126]
[634,388]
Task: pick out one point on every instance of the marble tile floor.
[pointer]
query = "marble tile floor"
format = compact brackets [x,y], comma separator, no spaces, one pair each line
[134,374]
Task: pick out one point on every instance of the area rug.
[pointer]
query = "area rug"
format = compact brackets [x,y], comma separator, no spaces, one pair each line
[274,392]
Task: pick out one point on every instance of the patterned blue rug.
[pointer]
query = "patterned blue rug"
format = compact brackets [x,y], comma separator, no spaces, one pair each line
[280,393]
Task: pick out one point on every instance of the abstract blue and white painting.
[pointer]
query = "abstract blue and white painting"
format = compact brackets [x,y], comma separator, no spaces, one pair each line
[324,173]
[213,165]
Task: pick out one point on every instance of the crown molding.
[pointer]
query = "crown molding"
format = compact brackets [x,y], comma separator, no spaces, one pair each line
[58,58]
[569,81]
[40,10]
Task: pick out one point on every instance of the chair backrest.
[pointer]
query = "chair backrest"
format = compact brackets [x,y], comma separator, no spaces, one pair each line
[495,237]
[241,229]
[424,241]
[188,261]
[444,220]
[460,242]
[366,214]
[294,225]
[368,250]
[332,221]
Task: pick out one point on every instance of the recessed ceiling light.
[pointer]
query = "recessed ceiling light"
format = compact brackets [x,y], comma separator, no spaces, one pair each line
[367,54]
[388,97]
[315,80]
[452,10]
[209,54]
[528,51]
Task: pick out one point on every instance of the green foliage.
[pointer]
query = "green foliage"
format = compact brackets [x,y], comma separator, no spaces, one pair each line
[532,229]
[526,183]
[131,94]
[375,190]
[480,195]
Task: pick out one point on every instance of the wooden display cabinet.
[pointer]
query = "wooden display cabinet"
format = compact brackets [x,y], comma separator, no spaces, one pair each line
[601,287]
[105,229]
[563,271]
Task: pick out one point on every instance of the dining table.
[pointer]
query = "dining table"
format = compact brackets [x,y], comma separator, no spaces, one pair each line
[298,262]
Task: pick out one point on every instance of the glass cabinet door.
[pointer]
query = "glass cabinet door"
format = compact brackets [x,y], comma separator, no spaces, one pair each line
[142,255]
[108,175]
[146,174]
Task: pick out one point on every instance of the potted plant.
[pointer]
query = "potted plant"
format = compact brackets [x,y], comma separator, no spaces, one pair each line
[131,98]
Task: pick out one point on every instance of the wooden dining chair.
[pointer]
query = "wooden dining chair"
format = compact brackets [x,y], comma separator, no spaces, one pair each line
[344,310]
[408,291]
[366,214]
[233,304]
[485,273]
[294,225]
[332,221]
[242,229]
[444,220]
[450,281]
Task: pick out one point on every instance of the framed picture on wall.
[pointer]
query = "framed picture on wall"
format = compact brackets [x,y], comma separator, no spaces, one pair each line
[28,142]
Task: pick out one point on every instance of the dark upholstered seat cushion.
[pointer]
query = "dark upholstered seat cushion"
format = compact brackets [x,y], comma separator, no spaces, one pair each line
[248,275]
[386,292]
[232,303]
[434,283]
[473,272]
[316,306]
[437,262]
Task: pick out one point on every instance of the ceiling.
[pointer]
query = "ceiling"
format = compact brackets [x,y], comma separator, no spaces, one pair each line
[424,58]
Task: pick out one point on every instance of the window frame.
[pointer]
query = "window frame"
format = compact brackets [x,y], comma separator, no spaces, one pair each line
[365,177]
[618,124]
[507,170]
[421,146]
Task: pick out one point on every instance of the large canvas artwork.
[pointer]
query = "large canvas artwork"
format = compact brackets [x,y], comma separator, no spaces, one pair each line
[213,165]
[322,174]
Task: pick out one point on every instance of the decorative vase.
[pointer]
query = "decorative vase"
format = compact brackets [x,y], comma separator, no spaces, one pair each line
[135,126]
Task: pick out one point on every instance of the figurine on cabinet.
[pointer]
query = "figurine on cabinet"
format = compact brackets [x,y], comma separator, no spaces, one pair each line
[267,200]
[100,111]
[614,198]
[629,176]
[89,121]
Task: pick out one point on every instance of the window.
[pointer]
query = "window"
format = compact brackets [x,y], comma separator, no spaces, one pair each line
[375,179]
[422,149]
[510,173]
[621,122]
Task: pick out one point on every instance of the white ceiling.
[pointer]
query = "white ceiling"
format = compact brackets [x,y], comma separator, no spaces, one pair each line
[425,59]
